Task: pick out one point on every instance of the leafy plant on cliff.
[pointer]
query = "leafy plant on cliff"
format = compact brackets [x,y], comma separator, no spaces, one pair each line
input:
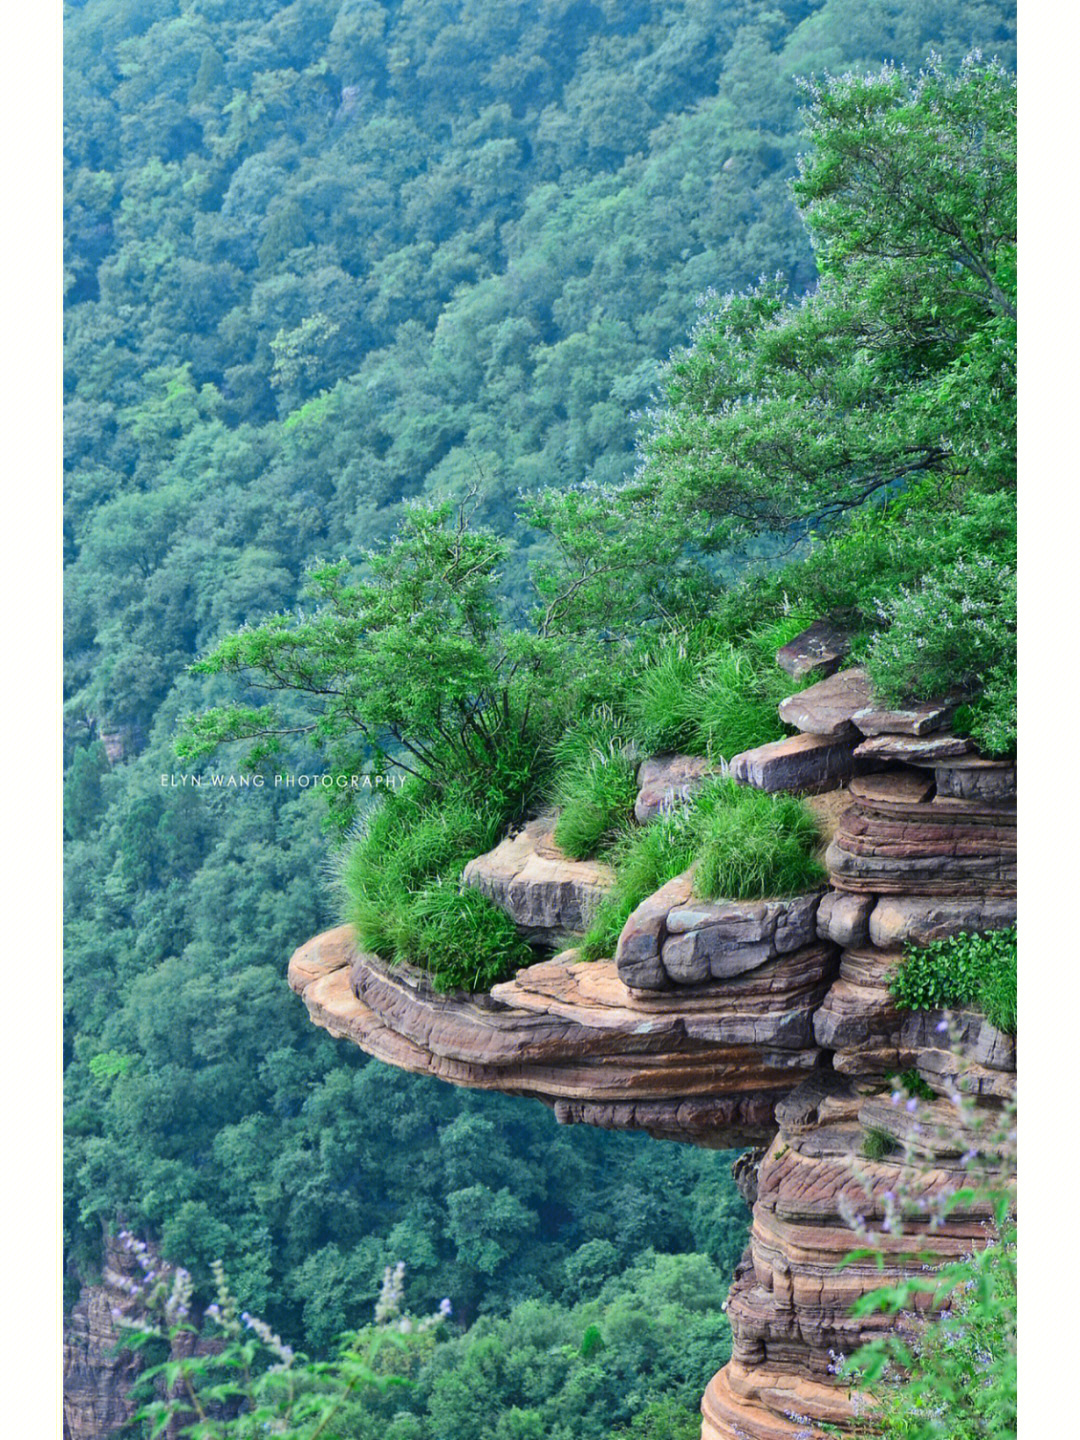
[968,969]
[788,423]
[945,1368]
[402,664]
[707,692]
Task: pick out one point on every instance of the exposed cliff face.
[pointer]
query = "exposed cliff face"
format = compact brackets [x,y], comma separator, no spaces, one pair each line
[728,1024]
[96,1380]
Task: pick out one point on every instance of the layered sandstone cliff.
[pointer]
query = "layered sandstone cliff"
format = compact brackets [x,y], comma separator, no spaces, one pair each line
[734,1024]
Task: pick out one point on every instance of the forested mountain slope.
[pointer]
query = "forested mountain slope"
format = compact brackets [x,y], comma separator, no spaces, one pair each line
[320,258]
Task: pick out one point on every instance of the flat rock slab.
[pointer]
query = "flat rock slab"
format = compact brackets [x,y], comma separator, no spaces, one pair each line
[548,895]
[808,764]
[827,707]
[913,720]
[818,649]
[914,749]
[666,781]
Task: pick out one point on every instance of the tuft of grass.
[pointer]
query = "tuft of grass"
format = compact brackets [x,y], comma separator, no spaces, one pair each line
[401,879]
[595,784]
[706,695]
[967,969]
[753,845]
[464,940]
[747,846]
[877,1144]
[644,858]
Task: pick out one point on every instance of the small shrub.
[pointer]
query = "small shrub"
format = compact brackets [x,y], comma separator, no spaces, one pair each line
[877,1144]
[968,969]
[956,628]
[913,1083]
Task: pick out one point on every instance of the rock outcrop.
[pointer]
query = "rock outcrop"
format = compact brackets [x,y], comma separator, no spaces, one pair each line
[706,1065]
[546,893]
[97,1379]
[666,781]
[767,1023]
[818,650]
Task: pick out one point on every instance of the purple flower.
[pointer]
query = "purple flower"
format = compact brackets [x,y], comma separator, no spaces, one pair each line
[445,1309]
[941,1026]
[911,1106]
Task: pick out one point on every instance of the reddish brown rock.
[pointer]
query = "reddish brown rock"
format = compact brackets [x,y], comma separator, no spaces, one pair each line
[827,707]
[548,895]
[819,649]
[667,781]
[703,1065]
[895,838]
[801,763]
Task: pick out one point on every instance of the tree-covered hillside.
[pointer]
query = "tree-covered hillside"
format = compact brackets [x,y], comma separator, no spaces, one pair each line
[321,258]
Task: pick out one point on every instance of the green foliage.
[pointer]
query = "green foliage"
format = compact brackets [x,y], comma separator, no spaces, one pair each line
[745,845]
[246,1381]
[644,858]
[910,1082]
[595,785]
[752,845]
[957,630]
[958,1372]
[663,1420]
[967,969]
[402,881]
[703,694]
[785,421]
[877,1143]
[407,664]
[634,1357]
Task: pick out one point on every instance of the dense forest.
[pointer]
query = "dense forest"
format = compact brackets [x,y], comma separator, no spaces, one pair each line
[324,259]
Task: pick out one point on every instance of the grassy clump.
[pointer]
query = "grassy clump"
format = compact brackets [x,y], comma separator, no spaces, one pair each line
[644,859]
[595,784]
[747,845]
[968,969]
[877,1144]
[402,877]
[753,845]
[703,694]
